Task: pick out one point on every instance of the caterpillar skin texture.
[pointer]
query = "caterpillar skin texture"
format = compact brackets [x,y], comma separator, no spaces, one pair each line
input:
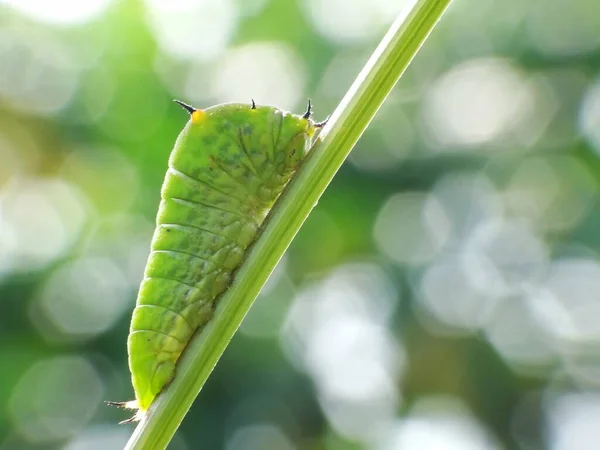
[228,166]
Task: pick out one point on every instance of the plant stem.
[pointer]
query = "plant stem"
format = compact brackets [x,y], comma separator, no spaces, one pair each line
[337,138]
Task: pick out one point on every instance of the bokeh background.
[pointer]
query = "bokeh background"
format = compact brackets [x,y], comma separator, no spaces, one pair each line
[443,295]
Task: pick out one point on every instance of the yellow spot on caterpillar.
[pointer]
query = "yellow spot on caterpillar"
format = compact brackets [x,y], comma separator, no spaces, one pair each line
[310,129]
[198,115]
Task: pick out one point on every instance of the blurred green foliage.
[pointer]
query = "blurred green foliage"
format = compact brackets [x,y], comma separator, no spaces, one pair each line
[445,292]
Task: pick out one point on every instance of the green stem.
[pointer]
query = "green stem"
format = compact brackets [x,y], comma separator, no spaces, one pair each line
[344,128]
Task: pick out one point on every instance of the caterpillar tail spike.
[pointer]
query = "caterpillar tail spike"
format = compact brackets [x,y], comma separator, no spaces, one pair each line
[322,123]
[196,114]
[188,108]
[308,112]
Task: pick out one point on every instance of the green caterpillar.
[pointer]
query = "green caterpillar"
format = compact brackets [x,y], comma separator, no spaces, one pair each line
[227,169]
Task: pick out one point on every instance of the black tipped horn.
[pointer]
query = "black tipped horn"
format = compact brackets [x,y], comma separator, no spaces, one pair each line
[322,123]
[185,106]
[308,112]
